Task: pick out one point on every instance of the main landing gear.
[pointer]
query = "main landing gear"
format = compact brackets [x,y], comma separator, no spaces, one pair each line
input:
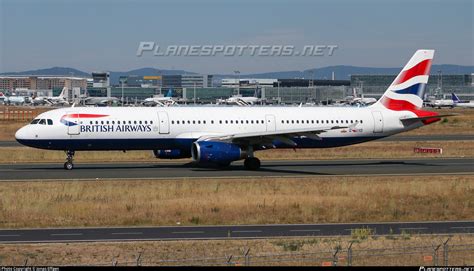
[69,165]
[251,162]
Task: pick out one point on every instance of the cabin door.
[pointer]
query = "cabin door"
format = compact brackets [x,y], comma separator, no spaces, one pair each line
[73,123]
[270,122]
[378,122]
[164,123]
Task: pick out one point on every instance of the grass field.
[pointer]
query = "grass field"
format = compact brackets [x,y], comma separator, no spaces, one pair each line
[236,201]
[369,150]
[294,251]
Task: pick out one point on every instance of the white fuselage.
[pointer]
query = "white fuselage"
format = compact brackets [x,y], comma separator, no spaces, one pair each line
[151,128]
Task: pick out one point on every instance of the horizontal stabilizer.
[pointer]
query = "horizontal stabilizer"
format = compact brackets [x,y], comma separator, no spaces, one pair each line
[410,120]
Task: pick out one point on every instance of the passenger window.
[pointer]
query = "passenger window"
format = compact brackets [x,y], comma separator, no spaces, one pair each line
[172,122]
[134,122]
[102,122]
[212,122]
[140,122]
[151,122]
[312,121]
[231,121]
[242,122]
[297,121]
[194,122]
[337,121]
[220,122]
[203,122]
[177,122]
[247,121]
[146,122]
[361,121]
[50,122]
[90,122]
[199,122]
[251,121]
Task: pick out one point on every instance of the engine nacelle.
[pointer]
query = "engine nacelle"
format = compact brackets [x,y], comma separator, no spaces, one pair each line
[171,154]
[219,153]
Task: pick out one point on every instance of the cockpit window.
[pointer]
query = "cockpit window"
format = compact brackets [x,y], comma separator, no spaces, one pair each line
[50,122]
[42,121]
[35,121]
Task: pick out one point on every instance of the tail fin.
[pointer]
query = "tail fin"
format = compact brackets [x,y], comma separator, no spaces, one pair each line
[407,90]
[455,97]
[63,92]
[169,93]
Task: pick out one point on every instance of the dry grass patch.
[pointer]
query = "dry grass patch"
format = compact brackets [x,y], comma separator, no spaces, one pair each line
[217,251]
[392,149]
[235,201]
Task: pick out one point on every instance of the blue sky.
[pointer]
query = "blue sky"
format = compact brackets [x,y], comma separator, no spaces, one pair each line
[104,35]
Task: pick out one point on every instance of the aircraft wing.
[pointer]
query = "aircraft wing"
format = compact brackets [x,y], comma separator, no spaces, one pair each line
[266,138]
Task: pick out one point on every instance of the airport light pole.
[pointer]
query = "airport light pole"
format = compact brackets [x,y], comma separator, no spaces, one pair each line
[238,82]
[122,81]
[194,93]
[278,84]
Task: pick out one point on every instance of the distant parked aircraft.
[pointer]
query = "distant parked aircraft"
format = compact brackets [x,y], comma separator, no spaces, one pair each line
[53,100]
[14,100]
[459,103]
[101,101]
[161,100]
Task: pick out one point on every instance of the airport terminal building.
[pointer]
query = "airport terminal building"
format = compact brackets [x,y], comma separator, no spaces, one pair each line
[199,88]
[439,86]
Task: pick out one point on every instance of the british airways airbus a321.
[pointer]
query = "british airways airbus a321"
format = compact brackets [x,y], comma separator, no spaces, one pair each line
[220,135]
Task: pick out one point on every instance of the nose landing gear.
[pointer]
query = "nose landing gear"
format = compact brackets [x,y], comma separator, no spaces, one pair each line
[69,165]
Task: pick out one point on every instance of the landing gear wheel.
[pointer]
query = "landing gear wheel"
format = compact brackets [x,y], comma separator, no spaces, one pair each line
[68,165]
[252,163]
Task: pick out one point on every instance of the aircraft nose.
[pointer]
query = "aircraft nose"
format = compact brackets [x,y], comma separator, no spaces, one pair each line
[22,134]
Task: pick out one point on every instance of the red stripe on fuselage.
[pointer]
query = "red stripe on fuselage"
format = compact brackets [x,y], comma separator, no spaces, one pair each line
[402,105]
[83,116]
[422,68]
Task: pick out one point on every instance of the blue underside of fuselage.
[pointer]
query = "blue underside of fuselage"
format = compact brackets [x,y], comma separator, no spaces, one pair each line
[173,143]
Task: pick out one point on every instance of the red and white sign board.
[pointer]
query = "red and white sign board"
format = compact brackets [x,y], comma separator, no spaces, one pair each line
[428,150]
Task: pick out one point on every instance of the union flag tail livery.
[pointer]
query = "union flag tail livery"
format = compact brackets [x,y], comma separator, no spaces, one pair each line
[221,135]
[407,90]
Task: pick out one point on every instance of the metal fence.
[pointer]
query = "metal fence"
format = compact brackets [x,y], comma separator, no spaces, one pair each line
[434,254]
[16,115]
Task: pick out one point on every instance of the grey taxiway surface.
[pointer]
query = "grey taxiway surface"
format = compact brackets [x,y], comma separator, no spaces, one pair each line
[227,232]
[290,168]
